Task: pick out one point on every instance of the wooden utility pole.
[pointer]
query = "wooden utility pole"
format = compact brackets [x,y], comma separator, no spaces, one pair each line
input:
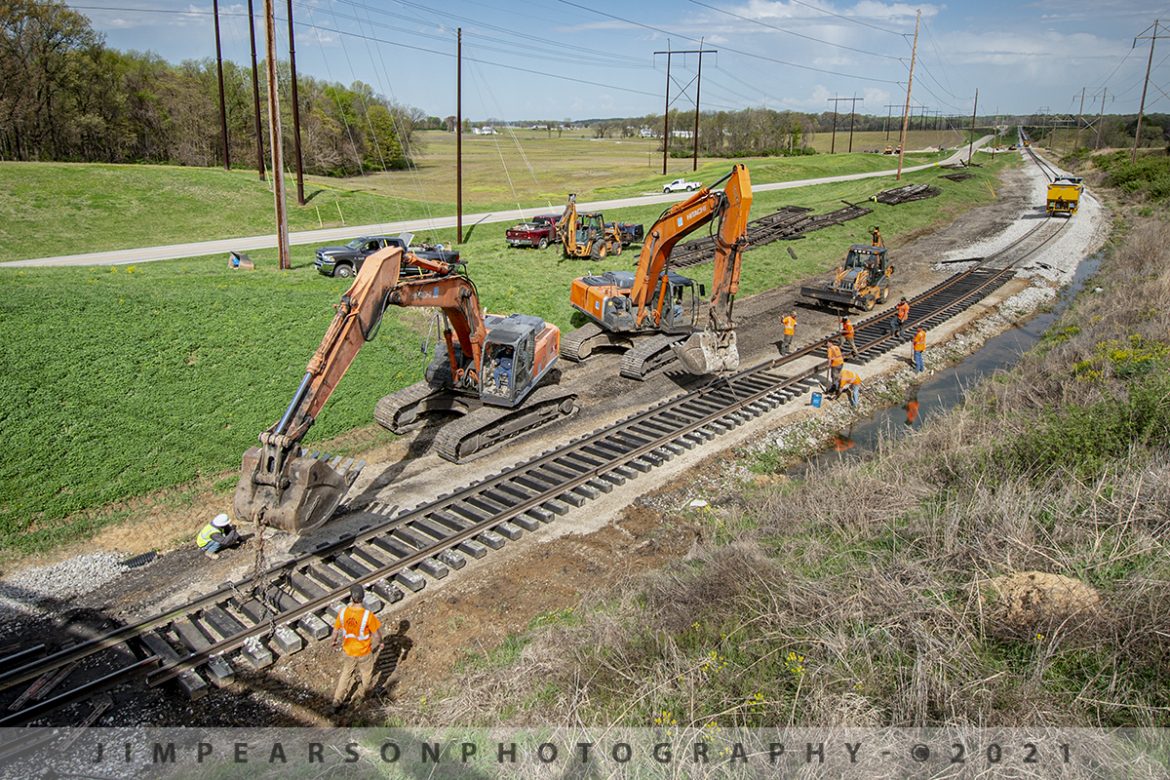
[1137,135]
[274,137]
[852,116]
[1100,118]
[889,115]
[909,87]
[459,135]
[666,110]
[833,138]
[971,141]
[227,153]
[296,109]
[1080,116]
[256,92]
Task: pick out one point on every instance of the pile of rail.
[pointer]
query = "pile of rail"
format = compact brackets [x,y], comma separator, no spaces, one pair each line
[788,223]
[906,194]
[963,176]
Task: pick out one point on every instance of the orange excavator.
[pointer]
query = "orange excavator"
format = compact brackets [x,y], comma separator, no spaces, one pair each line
[491,374]
[651,314]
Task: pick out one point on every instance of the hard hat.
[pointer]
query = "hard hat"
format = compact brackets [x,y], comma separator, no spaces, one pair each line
[221,521]
[357,593]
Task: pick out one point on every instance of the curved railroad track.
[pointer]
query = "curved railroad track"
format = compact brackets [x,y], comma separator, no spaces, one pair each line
[247,624]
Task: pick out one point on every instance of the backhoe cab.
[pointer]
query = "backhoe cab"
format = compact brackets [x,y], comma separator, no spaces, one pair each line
[862,280]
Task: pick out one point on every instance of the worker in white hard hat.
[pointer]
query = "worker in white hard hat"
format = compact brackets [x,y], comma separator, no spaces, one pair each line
[217,535]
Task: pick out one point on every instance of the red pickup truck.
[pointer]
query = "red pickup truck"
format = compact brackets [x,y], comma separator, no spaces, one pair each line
[539,232]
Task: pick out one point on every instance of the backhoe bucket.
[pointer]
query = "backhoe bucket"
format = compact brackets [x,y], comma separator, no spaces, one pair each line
[708,352]
[310,489]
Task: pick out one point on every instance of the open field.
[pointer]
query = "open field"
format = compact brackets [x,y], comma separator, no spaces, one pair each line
[60,208]
[870,140]
[143,378]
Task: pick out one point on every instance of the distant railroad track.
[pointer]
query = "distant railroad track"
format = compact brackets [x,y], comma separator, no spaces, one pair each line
[238,626]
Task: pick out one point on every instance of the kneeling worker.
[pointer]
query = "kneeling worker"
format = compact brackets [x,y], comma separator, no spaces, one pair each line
[217,535]
[851,382]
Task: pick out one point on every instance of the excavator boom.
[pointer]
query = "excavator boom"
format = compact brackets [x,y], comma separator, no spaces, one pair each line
[279,485]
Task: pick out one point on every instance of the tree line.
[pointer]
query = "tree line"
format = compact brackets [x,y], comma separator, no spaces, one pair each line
[65,95]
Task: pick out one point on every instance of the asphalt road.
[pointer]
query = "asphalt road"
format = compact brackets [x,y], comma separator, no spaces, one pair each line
[343,234]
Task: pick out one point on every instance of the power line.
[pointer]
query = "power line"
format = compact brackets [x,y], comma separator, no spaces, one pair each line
[792,32]
[725,47]
[850,19]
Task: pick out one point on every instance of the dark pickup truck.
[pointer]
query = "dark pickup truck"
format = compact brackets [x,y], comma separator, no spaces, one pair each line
[345,261]
[539,232]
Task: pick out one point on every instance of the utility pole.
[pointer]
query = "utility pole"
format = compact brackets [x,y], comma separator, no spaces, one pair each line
[1137,135]
[698,89]
[889,115]
[1080,116]
[296,108]
[909,87]
[459,135]
[833,143]
[227,153]
[971,140]
[666,110]
[1100,118]
[852,116]
[256,92]
[274,136]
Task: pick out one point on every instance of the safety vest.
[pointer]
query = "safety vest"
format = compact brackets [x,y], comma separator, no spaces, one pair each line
[849,378]
[903,311]
[920,341]
[847,329]
[835,358]
[356,643]
[204,537]
[789,325]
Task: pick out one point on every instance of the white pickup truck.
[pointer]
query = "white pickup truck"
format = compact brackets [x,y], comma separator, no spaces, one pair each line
[681,185]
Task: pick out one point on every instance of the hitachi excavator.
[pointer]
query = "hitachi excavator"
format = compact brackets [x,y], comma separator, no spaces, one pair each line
[649,313]
[490,373]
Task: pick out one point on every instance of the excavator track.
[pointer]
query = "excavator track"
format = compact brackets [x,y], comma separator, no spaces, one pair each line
[490,426]
[579,344]
[648,354]
[406,409]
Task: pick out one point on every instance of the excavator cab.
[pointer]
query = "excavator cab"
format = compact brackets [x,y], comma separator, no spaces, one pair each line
[512,363]
[680,310]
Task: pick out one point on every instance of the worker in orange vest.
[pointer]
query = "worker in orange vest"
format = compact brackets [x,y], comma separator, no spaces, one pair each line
[789,323]
[847,333]
[920,349]
[836,361]
[852,382]
[901,314]
[357,631]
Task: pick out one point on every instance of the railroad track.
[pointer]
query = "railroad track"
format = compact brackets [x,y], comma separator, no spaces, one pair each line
[248,624]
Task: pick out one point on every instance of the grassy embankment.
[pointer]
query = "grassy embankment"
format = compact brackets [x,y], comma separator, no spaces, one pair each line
[126,380]
[49,209]
[862,597]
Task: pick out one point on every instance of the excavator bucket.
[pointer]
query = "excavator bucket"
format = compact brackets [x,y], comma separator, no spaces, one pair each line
[307,492]
[708,352]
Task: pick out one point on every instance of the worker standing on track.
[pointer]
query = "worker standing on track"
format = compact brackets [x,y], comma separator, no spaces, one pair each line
[901,314]
[217,535]
[789,323]
[847,333]
[836,361]
[852,382]
[357,632]
[920,350]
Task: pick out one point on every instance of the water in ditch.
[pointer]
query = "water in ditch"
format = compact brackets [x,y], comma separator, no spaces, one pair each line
[945,389]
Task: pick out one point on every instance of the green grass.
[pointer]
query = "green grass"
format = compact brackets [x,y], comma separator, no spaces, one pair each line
[122,381]
[49,209]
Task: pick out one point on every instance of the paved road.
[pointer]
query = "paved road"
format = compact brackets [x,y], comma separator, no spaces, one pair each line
[343,234]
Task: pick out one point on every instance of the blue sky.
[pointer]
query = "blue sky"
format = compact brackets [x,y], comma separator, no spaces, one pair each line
[575,59]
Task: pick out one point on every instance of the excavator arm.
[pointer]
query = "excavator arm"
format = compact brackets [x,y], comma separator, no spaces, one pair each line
[281,488]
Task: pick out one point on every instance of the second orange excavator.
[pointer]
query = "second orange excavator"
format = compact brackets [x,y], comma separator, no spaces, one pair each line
[496,373]
[651,314]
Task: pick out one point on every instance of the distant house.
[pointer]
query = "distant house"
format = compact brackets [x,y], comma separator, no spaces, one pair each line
[646,132]
[681,133]
[485,130]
